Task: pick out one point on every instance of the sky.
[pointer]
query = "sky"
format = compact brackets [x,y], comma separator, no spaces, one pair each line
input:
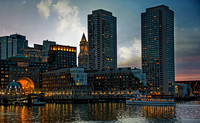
[64,21]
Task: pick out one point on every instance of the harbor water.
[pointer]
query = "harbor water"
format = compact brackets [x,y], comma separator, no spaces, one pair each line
[102,112]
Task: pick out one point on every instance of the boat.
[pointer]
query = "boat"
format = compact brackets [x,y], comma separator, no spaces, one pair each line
[150,101]
[33,102]
[37,103]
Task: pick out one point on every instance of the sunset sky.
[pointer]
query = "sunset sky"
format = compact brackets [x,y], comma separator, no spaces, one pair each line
[64,21]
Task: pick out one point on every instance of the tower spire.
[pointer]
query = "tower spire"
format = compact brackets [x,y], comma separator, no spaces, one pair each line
[83,37]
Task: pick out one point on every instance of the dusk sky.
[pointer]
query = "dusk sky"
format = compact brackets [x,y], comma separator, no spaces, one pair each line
[64,21]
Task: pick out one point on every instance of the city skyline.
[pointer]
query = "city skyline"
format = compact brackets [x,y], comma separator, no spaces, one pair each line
[40,18]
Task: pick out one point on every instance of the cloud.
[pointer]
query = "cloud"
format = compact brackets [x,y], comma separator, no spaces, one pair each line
[68,17]
[23,2]
[130,56]
[44,8]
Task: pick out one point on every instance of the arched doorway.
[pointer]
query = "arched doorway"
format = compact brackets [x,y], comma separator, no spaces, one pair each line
[27,85]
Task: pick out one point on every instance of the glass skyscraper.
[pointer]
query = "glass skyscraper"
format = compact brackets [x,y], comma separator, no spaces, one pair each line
[102,40]
[158,49]
[12,45]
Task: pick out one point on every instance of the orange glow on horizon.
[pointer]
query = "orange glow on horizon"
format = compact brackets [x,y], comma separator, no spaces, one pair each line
[187,77]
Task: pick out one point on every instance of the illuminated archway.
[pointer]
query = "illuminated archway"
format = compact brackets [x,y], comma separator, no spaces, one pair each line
[27,85]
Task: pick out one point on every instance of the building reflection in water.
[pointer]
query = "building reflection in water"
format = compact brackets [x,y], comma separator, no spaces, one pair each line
[156,112]
[83,112]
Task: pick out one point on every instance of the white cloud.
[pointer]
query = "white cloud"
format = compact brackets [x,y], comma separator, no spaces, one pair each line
[23,2]
[44,8]
[68,19]
[130,56]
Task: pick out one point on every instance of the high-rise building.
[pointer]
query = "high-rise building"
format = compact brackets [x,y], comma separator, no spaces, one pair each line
[102,40]
[12,45]
[83,55]
[158,49]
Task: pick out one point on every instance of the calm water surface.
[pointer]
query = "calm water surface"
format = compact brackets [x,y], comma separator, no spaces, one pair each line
[102,112]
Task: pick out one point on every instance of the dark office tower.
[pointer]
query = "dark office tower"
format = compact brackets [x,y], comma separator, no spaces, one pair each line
[83,55]
[102,39]
[158,49]
[13,45]
[4,47]
[62,56]
[45,50]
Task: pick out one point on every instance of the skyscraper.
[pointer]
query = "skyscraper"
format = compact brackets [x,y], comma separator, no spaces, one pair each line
[158,49]
[83,55]
[102,39]
[12,45]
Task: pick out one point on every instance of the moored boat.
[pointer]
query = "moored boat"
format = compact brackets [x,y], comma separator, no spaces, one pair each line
[150,101]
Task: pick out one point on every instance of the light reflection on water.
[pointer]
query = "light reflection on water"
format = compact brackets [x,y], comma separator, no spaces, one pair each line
[102,112]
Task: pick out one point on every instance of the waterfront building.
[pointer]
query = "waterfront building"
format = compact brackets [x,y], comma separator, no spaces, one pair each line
[121,81]
[182,90]
[158,49]
[83,55]
[20,69]
[139,74]
[4,73]
[67,82]
[43,67]
[102,40]
[24,73]
[61,56]
[195,85]
[79,76]
[13,89]
[12,45]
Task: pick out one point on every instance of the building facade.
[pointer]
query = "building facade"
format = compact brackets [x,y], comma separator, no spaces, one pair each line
[102,39]
[12,45]
[4,70]
[121,81]
[158,49]
[67,82]
[33,53]
[195,85]
[182,90]
[21,70]
[62,56]
[83,55]
[45,50]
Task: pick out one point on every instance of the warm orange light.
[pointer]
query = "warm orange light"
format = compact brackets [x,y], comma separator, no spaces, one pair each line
[27,84]
[54,48]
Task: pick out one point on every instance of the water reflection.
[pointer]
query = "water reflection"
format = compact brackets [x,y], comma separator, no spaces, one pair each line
[97,112]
